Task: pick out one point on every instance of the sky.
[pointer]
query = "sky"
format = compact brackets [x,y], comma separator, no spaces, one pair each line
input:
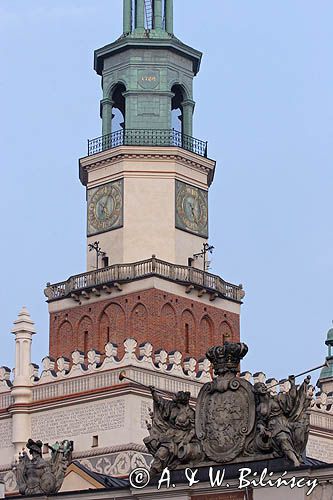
[265,105]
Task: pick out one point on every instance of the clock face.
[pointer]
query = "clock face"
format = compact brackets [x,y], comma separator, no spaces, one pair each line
[191,209]
[105,207]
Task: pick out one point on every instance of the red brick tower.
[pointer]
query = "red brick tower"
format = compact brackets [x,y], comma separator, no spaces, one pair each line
[147,180]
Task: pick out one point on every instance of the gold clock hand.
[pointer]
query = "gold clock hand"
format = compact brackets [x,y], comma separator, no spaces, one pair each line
[193,213]
[104,209]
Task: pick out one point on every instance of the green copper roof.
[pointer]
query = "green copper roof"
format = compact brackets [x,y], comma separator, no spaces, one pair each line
[329,340]
[327,372]
[124,43]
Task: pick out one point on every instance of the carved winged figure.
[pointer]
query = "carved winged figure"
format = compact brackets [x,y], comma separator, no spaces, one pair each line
[172,431]
[283,419]
[36,475]
[233,419]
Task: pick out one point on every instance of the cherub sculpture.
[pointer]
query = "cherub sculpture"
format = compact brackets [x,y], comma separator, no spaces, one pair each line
[36,475]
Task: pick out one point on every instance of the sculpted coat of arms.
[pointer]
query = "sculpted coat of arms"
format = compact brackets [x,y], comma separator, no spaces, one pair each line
[234,420]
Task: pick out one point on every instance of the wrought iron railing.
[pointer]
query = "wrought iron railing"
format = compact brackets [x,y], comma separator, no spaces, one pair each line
[139,137]
[122,273]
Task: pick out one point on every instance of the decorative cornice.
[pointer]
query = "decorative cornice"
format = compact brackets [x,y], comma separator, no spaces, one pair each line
[139,448]
[205,165]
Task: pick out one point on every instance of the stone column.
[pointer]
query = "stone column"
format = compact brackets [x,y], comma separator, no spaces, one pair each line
[106,115]
[127,16]
[22,388]
[169,16]
[188,109]
[139,14]
[158,16]
[2,489]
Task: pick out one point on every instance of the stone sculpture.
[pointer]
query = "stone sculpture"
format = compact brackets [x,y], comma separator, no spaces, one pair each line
[36,475]
[172,430]
[234,420]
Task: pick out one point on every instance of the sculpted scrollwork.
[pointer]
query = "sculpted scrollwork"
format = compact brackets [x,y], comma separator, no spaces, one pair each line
[234,420]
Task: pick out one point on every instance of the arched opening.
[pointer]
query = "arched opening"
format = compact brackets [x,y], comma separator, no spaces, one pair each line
[118,107]
[177,108]
[188,329]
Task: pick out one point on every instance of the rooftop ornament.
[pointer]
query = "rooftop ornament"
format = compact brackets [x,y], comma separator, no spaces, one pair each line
[36,475]
[234,420]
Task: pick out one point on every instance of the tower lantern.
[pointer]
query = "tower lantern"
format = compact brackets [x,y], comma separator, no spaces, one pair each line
[146,74]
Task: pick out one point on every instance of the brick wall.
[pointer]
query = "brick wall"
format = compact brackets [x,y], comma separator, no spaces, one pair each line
[165,320]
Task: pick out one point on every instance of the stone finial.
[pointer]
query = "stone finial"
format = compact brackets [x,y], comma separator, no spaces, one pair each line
[24,323]
[111,350]
[63,364]
[48,363]
[130,346]
[145,350]
[190,365]
[259,377]
[94,358]
[161,358]
[23,330]
[77,357]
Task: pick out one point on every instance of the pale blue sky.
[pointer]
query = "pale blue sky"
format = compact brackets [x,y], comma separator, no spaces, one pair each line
[264,103]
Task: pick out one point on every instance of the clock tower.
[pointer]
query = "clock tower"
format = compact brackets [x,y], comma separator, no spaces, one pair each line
[147,180]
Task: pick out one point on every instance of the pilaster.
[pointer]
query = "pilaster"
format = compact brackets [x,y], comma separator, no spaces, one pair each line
[22,388]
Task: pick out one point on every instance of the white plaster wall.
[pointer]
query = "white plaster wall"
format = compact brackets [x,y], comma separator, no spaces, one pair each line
[149,207]
[6,447]
[149,219]
[320,447]
[115,420]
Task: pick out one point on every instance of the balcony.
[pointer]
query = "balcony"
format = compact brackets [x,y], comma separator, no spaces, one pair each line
[139,137]
[103,279]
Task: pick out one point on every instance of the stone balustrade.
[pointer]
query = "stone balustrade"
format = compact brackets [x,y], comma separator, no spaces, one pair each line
[103,280]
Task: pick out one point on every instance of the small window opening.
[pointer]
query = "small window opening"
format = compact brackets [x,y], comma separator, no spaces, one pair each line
[187,337]
[94,441]
[85,341]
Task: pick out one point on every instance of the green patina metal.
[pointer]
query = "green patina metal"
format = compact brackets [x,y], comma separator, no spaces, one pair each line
[327,372]
[141,70]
